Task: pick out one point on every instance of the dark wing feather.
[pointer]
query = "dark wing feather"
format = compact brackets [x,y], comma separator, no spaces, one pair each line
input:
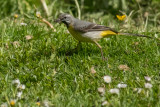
[99,28]
[84,26]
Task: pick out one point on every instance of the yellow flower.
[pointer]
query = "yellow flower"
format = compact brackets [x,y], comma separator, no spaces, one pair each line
[121,18]
[38,103]
[16,16]
[12,102]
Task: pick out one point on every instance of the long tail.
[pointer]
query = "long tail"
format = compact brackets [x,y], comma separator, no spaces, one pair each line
[139,35]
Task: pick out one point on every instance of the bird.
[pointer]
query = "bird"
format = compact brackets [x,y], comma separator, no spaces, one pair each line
[85,31]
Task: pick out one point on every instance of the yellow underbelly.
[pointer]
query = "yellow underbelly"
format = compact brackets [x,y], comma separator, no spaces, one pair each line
[90,36]
[78,36]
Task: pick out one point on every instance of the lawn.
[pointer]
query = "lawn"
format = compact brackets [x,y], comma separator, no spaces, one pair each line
[35,70]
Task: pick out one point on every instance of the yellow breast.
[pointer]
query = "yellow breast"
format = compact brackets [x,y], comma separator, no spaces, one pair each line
[72,31]
[78,35]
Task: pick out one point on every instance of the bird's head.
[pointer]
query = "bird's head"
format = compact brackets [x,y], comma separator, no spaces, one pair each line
[65,18]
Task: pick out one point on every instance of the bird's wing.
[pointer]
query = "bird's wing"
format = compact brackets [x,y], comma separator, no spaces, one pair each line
[84,26]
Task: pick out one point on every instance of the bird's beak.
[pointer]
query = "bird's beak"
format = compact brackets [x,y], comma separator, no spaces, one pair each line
[58,20]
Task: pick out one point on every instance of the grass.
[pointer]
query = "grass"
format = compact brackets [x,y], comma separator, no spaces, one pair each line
[48,74]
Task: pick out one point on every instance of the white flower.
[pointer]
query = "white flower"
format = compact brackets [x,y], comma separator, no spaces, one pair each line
[19,94]
[38,14]
[13,102]
[24,24]
[16,81]
[101,90]
[147,78]
[21,86]
[122,85]
[138,90]
[4,105]
[114,91]
[148,85]
[107,79]
[104,103]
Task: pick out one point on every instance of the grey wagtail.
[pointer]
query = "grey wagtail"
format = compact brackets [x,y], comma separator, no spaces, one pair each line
[85,31]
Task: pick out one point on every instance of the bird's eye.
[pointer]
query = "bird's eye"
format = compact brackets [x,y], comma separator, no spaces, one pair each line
[65,17]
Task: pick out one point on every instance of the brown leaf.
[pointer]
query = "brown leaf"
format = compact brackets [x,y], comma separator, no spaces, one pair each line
[28,37]
[123,67]
[93,71]
[136,43]
[6,45]
[16,44]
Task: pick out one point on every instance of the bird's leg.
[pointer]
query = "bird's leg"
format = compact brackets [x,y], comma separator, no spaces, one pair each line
[99,46]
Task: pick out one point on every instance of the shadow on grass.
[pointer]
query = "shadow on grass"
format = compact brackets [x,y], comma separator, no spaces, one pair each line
[69,52]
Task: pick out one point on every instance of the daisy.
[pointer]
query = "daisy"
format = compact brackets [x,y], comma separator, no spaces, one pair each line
[107,79]
[16,81]
[114,91]
[147,78]
[148,85]
[122,85]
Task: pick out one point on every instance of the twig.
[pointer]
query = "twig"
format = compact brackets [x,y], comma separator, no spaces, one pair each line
[45,21]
